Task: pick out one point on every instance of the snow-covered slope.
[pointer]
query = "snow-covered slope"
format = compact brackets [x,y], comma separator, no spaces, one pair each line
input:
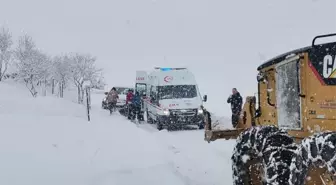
[47,140]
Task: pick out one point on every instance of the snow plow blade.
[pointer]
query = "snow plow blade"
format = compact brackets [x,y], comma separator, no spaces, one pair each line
[212,135]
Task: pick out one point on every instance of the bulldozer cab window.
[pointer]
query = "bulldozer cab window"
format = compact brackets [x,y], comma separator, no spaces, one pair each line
[287,95]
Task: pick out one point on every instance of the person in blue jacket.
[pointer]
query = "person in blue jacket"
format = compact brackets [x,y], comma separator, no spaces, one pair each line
[136,105]
[136,101]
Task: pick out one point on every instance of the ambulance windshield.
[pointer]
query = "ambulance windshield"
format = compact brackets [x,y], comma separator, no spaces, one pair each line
[177,91]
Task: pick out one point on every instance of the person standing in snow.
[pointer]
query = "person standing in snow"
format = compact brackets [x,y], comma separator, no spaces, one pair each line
[136,104]
[129,96]
[236,102]
[137,99]
[112,99]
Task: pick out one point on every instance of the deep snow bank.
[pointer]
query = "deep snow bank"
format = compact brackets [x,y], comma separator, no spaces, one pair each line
[47,140]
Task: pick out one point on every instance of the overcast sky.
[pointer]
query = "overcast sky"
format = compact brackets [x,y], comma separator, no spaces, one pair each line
[221,41]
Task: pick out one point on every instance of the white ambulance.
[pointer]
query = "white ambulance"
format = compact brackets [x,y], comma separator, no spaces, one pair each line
[171,97]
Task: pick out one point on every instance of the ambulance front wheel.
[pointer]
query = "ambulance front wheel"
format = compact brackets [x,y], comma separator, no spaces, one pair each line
[159,125]
[149,119]
[141,116]
[201,125]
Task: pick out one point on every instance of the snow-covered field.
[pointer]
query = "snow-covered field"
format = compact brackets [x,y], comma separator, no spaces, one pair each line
[48,141]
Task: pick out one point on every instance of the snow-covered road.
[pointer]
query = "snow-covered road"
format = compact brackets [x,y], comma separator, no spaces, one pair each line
[47,140]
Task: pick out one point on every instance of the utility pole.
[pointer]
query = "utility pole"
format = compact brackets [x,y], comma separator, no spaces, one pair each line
[88,99]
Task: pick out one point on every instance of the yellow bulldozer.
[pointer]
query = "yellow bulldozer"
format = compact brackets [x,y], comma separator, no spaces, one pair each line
[287,134]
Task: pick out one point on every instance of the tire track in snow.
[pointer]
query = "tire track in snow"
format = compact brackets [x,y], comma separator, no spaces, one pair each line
[185,179]
[104,177]
[150,128]
[191,166]
[186,167]
[109,176]
[183,166]
[222,154]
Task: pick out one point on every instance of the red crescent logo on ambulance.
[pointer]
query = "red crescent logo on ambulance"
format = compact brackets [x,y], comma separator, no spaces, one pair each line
[168,78]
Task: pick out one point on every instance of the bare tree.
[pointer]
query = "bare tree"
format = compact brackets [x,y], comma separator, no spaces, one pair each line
[99,82]
[6,43]
[83,70]
[62,72]
[33,65]
[43,71]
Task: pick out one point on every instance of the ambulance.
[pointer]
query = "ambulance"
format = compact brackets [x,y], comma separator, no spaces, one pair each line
[171,97]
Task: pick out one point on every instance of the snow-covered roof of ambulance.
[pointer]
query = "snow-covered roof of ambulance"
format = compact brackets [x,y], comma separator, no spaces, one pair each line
[281,57]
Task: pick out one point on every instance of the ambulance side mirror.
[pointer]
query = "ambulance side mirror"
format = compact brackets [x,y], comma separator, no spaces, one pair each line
[106,93]
[205,98]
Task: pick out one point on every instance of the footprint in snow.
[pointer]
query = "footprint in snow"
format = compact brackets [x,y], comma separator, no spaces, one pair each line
[173,149]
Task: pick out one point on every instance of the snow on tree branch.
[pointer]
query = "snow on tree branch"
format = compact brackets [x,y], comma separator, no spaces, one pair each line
[99,83]
[36,69]
[83,69]
[6,43]
[62,71]
[33,66]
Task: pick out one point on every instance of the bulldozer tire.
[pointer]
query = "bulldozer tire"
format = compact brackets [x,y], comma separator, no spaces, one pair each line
[268,148]
[318,150]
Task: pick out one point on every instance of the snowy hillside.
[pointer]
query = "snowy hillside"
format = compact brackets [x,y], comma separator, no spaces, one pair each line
[47,140]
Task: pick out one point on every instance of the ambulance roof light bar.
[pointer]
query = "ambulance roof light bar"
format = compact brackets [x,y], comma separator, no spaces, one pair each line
[169,68]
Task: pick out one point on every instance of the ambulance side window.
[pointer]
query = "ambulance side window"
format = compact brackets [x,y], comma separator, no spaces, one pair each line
[153,94]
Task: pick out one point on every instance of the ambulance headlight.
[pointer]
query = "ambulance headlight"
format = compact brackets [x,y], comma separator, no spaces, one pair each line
[166,112]
[200,111]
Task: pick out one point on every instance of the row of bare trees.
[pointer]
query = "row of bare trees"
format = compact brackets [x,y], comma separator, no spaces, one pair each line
[6,53]
[36,68]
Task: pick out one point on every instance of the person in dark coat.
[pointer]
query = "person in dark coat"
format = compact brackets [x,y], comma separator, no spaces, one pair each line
[135,106]
[112,99]
[236,102]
